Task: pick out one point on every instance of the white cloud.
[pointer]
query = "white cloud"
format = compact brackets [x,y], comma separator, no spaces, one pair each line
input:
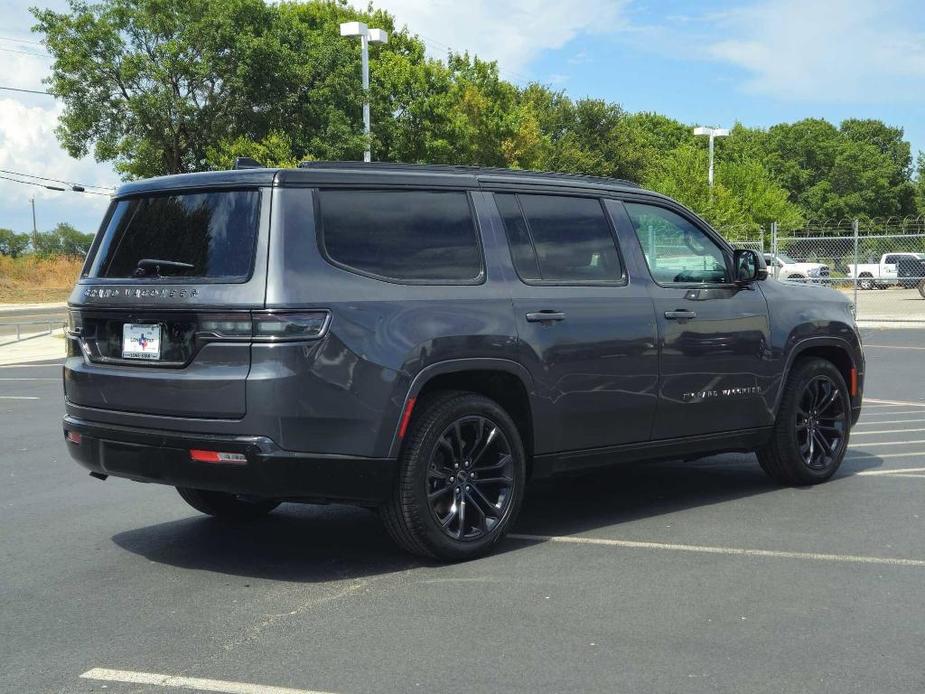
[827,50]
[28,145]
[513,32]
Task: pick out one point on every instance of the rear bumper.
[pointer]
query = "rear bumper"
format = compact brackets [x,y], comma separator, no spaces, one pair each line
[163,457]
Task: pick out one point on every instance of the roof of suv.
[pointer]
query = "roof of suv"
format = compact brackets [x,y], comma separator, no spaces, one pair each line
[382,173]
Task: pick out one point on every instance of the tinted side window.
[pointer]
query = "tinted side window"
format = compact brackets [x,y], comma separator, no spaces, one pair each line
[675,249]
[560,238]
[402,235]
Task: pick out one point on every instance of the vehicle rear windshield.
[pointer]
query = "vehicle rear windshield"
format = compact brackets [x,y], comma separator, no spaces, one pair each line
[208,235]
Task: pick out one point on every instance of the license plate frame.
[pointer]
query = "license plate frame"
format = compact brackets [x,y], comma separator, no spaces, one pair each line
[141,341]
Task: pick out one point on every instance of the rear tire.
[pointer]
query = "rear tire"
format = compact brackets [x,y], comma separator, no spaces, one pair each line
[813,424]
[866,281]
[226,506]
[461,477]
[922,288]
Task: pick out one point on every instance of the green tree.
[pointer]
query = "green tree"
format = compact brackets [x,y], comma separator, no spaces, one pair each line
[154,84]
[64,239]
[13,244]
[744,198]
[920,183]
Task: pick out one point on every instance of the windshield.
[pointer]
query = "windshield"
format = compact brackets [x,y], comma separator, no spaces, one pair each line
[785,259]
[205,235]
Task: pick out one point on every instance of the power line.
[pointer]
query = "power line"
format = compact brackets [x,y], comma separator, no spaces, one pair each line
[42,185]
[34,55]
[54,180]
[13,38]
[26,91]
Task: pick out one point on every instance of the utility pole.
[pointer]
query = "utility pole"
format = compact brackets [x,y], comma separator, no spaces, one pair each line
[35,231]
[367,36]
[712,133]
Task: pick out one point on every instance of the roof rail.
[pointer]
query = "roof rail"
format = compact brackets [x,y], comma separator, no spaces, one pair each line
[471,170]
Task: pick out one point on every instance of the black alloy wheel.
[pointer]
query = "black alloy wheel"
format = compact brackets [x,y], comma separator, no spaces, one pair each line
[821,423]
[461,477]
[470,478]
[812,427]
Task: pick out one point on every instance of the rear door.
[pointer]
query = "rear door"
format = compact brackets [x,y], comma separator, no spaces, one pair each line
[161,317]
[586,332]
[714,343]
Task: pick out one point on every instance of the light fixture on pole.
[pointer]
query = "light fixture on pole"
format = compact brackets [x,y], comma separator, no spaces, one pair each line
[367,36]
[711,133]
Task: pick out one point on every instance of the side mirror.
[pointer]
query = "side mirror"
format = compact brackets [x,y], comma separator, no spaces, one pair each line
[749,265]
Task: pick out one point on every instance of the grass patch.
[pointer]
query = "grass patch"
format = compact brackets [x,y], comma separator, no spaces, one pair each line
[37,280]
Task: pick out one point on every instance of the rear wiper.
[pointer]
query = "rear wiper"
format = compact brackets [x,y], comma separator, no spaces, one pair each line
[145,264]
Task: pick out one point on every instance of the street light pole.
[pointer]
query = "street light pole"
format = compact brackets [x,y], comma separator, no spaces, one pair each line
[712,133]
[367,36]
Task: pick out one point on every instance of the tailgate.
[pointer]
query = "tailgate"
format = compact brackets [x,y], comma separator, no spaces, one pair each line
[196,371]
[160,321]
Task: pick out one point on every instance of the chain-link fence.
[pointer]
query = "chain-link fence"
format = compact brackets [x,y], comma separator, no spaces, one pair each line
[878,264]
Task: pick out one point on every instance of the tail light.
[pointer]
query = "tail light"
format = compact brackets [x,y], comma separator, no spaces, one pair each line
[290,326]
[273,326]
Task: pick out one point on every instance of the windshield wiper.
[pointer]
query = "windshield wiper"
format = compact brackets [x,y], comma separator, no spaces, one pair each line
[145,264]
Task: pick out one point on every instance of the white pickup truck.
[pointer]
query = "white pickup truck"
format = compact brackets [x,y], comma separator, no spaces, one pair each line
[904,269]
[783,267]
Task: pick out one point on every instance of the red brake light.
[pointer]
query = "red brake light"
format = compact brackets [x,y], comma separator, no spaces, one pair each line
[73,437]
[217,457]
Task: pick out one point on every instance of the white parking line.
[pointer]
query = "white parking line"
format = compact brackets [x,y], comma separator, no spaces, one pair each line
[893,347]
[891,413]
[31,366]
[885,431]
[883,403]
[889,443]
[912,454]
[195,683]
[56,380]
[734,551]
[894,471]
[18,397]
[891,421]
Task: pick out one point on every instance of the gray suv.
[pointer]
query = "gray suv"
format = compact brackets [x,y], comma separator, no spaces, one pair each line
[424,340]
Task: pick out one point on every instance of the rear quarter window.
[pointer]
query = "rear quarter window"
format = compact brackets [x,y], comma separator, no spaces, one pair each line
[403,236]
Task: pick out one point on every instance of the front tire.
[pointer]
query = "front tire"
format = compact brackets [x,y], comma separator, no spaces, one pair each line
[461,478]
[226,506]
[922,288]
[813,424]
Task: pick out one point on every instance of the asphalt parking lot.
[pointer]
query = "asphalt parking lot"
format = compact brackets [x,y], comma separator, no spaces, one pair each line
[670,577]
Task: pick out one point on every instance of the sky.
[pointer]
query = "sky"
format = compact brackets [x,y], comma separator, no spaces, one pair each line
[712,62]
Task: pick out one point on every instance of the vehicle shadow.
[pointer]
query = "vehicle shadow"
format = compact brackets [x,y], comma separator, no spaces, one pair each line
[322,543]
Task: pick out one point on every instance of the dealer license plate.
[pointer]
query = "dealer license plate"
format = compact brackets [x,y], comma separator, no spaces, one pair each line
[141,341]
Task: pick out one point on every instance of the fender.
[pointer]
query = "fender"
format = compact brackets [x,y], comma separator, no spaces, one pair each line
[807,343]
[455,366]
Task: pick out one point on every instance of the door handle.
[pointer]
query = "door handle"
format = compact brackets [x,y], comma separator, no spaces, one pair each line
[545,315]
[680,314]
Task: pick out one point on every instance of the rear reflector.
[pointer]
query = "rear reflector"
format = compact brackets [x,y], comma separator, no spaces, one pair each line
[854,382]
[217,457]
[406,418]
[73,437]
